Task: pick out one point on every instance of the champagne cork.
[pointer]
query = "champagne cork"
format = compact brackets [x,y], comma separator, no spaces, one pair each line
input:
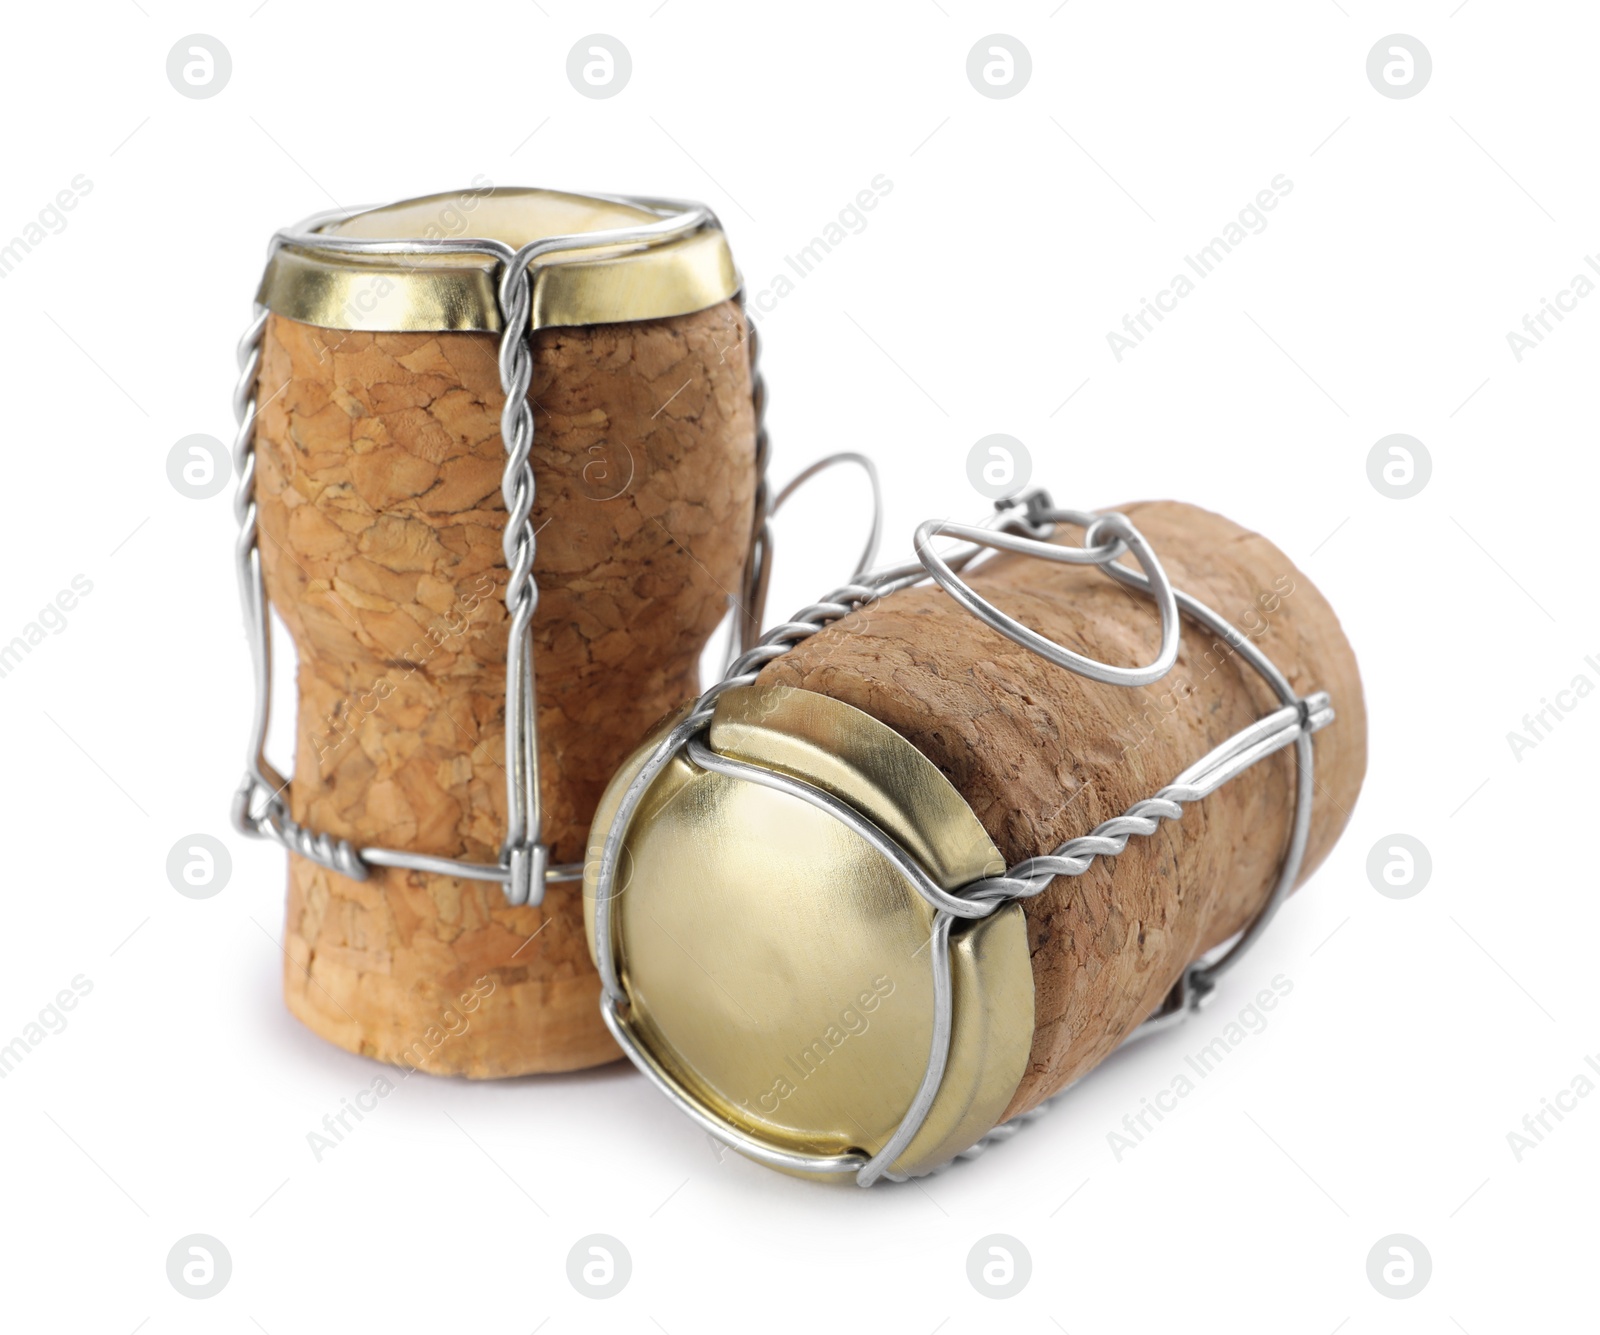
[1042,755]
[381,519]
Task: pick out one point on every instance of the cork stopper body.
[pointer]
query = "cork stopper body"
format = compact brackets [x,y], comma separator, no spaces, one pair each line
[381,519]
[1043,755]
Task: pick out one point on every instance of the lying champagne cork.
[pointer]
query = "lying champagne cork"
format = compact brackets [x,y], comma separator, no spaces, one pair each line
[381,518]
[1042,754]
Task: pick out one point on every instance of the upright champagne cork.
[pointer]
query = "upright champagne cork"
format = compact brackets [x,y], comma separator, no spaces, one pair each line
[381,519]
[1043,755]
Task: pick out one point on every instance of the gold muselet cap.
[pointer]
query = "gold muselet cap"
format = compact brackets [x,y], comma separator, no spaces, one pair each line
[773,968]
[413,265]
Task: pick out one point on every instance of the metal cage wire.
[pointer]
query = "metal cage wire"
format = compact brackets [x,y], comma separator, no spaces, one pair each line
[1018,525]
[260,808]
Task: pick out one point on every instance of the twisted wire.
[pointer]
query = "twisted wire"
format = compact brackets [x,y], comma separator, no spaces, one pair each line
[248,358]
[1004,1131]
[516,431]
[338,854]
[247,562]
[519,542]
[1032,875]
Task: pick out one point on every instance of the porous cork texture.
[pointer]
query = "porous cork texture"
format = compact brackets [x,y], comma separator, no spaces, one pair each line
[1043,755]
[381,521]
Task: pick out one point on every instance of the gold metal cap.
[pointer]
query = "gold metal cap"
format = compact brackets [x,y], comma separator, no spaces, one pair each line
[338,289]
[776,965]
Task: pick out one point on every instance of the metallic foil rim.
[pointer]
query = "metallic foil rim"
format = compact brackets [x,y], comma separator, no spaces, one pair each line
[337,289]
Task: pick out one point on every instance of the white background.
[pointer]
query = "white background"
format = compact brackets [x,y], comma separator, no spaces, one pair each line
[1017,233]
